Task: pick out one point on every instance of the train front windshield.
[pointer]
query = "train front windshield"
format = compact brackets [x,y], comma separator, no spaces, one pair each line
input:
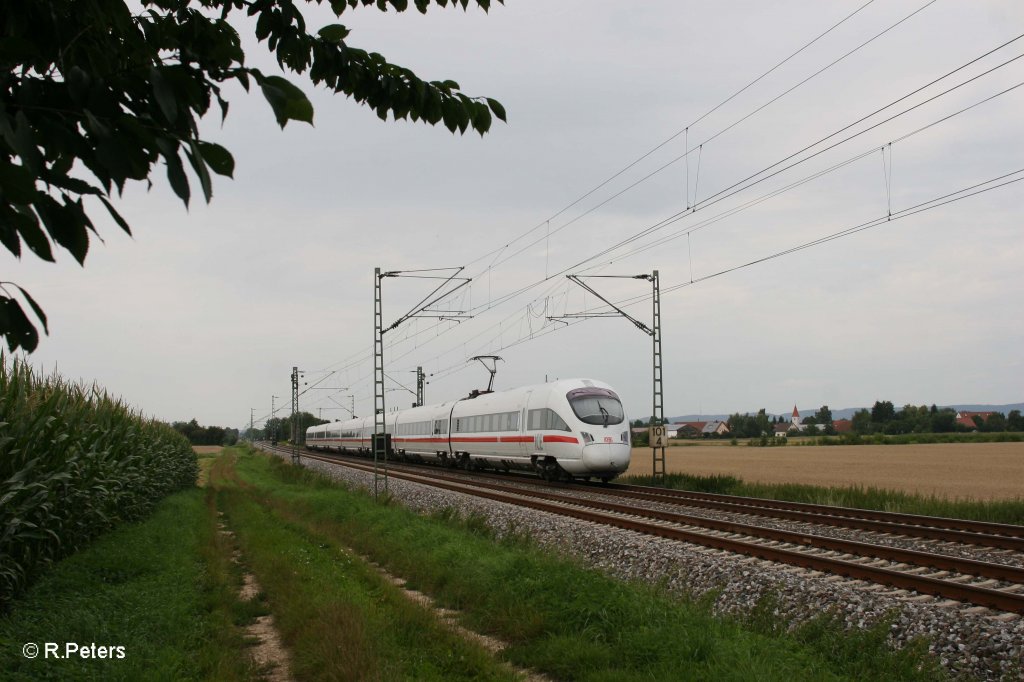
[596,406]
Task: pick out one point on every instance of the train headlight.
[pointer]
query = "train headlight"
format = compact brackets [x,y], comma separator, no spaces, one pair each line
[587,438]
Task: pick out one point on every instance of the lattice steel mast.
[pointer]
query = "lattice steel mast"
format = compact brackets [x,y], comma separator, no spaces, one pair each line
[295,415]
[654,331]
[421,309]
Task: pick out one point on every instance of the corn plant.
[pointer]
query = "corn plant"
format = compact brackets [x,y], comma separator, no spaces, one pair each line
[74,463]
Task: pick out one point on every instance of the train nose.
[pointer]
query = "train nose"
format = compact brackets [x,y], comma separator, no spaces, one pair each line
[606,456]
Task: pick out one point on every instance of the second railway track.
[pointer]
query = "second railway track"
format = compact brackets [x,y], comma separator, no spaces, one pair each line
[997,586]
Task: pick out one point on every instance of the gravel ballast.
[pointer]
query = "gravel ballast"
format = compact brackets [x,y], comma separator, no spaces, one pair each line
[974,642]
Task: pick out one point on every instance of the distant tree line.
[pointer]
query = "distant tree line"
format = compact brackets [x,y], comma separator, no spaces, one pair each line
[280,428]
[206,435]
[884,418]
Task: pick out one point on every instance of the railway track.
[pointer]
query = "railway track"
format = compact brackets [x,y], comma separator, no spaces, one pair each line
[996,586]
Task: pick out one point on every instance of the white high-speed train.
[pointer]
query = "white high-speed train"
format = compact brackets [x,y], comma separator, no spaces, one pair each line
[574,428]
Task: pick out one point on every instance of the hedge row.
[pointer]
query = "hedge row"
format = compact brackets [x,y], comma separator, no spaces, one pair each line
[74,463]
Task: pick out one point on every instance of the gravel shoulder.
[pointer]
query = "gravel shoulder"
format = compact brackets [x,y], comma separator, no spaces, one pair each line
[970,642]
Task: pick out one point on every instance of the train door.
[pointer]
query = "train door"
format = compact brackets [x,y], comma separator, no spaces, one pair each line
[535,445]
[525,445]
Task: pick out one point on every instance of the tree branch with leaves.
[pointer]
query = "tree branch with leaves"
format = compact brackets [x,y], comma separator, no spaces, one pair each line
[93,95]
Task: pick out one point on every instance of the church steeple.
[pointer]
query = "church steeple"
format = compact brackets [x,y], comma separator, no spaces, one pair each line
[796,416]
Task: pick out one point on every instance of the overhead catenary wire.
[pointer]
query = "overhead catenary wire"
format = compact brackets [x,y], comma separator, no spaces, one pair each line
[497,252]
[976,189]
[493,302]
[363,356]
[755,201]
[675,135]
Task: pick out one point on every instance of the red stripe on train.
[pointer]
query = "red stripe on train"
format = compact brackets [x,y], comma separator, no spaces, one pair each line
[560,439]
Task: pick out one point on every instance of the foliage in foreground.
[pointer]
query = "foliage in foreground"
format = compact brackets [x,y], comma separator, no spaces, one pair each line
[94,94]
[857,497]
[74,463]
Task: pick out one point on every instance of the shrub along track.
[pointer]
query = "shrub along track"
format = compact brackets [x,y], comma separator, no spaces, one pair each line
[994,585]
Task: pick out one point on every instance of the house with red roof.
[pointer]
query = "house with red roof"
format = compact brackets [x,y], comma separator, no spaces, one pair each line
[967,418]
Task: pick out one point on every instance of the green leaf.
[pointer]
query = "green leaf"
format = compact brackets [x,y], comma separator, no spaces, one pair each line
[334,33]
[288,102]
[15,325]
[176,176]
[9,238]
[35,308]
[496,107]
[116,216]
[24,144]
[195,158]
[27,224]
[217,158]
[482,119]
[164,94]
[16,182]
[66,226]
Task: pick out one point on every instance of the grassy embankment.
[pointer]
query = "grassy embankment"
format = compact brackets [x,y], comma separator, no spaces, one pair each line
[857,497]
[162,588]
[167,591]
[560,618]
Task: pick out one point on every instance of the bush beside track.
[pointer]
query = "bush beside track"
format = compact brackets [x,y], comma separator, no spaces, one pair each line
[74,463]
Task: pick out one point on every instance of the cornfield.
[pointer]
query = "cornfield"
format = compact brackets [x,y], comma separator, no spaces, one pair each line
[74,463]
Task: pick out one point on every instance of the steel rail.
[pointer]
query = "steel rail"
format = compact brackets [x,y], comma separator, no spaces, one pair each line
[981,595]
[812,540]
[986,527]
[978,533]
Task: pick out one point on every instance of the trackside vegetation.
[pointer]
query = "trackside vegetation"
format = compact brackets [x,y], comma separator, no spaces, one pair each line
[303,532]
[338,616]
[857,497]
[163,588]
[167,590]
[74,463]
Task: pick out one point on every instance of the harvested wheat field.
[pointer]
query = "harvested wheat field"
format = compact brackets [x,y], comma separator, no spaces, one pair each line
[207,449]
[979,471]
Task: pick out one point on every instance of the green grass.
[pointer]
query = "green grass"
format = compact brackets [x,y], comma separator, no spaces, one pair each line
[339,617]
[161,588]
[561,618]
[857,497]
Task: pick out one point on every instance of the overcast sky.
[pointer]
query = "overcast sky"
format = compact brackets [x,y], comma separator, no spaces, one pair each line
[205,311]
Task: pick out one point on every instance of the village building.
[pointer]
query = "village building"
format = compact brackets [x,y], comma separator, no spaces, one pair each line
[843,425]
[704,429]
[966,418]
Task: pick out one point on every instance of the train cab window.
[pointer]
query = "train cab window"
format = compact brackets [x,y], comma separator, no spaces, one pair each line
[596,406]
[546,420]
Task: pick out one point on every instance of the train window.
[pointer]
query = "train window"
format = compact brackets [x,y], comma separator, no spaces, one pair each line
[440,426]
[596,406]
[546,420]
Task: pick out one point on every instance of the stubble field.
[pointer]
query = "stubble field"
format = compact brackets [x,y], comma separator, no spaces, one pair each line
[978,471]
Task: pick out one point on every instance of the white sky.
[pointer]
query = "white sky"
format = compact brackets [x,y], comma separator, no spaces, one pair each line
[204,312]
